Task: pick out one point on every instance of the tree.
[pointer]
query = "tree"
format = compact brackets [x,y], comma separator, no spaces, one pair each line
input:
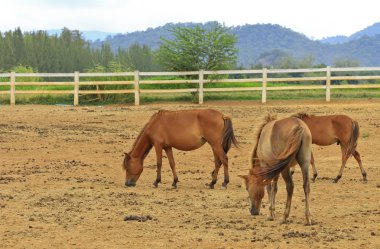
[137,57]
[346,63]
[196,48]
[25,69]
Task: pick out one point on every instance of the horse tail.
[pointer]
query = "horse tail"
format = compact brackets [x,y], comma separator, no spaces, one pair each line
[228,135]
[353,142]
[286,156]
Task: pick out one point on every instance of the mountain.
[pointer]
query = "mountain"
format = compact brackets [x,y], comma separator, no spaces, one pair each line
[370,31]
[150,37]
[87,34]
[263,43]
[334,39]
[254,41]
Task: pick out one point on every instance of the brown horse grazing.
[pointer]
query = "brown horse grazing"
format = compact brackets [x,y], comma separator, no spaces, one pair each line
[280,145]
[184,130]
[339,129]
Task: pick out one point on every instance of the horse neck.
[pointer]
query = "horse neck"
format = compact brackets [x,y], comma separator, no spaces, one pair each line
[141,147]
[307,119]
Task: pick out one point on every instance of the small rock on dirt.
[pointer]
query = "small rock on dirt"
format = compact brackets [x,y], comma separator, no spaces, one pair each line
[137,218]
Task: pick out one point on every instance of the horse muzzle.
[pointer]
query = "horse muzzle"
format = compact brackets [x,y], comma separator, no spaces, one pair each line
[130,183]
[254,211]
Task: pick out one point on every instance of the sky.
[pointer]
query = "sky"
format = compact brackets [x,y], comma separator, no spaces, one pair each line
[315,19]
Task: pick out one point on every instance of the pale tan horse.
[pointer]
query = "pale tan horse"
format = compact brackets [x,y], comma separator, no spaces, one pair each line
[280,145]
[184,130]
[330,129]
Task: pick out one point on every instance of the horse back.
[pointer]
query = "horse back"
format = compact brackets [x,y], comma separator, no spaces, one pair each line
[184,120]
[275,137]
[330,129]
[282,143]
[186,129]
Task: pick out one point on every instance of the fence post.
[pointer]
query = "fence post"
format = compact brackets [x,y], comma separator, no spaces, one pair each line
[264,86]
[201,81]
[13,88]
[137,88]
[76,88]
[328,83]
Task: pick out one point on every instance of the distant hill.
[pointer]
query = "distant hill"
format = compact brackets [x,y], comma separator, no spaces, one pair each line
[150,37]
[334,39]
[88,35]
[265,42]
[254,41]
[370,31]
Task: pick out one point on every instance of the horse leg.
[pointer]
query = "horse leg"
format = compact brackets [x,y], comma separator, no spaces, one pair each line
[169,153]
[315,173]
[272,190]
[292,170]
[214,173]
[287,176]
[225,167]
[306,189]
[344,160]
[358,159]
[224,159]
[159,165]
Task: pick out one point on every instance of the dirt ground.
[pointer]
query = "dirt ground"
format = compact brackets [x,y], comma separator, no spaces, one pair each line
[61,183]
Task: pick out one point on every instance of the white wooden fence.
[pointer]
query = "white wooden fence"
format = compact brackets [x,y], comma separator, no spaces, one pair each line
[264,76]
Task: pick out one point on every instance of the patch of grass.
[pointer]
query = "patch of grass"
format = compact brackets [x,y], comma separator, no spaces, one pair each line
[365,135]
[355,93]
[103,99]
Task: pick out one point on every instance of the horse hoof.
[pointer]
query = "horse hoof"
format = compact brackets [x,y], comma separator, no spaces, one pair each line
[155,184]
[284,222]
[308,223]
[211,186]
[337,178]
[314,177]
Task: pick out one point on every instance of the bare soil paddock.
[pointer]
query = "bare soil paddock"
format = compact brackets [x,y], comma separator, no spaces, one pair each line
[61,183]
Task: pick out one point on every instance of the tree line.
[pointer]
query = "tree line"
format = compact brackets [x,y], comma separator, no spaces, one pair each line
[37,51]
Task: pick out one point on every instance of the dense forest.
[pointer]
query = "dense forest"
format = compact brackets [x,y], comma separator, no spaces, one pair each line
[68,52]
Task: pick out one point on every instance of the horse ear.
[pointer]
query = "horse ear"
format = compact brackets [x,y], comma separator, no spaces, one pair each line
[245,178]
[127,155]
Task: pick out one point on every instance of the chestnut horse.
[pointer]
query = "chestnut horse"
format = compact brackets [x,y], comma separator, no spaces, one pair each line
[330,129]
[184,130]
[280,145]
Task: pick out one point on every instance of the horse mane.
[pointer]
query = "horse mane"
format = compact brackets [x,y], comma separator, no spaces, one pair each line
[142,131]
[268,118]
[140,134]
[302,115]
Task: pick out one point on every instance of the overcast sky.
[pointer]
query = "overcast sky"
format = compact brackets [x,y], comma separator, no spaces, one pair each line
[315,19]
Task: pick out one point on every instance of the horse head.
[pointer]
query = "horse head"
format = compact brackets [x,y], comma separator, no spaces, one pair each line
[133,168]
[255,190]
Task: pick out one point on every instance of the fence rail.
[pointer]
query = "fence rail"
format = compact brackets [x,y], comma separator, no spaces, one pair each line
[203,78]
